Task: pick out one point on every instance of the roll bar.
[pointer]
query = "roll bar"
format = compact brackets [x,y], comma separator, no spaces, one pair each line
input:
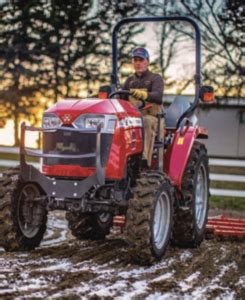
[114,79]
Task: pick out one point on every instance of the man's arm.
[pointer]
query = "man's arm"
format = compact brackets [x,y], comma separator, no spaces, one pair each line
[125,86]
[156,94]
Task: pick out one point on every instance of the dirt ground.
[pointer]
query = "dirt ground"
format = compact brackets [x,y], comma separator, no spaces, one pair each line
[63,268]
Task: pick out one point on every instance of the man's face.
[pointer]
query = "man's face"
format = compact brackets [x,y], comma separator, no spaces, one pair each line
[140,65]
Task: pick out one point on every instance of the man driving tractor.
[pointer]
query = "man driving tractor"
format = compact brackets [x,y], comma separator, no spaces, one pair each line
[147,86]
[98,176]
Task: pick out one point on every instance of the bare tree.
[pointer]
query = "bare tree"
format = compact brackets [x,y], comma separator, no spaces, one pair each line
[221,27]
[19,62]
[170,47]
[44,46]
[110,12]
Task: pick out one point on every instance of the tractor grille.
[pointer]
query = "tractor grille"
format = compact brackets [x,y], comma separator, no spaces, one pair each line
[67,142]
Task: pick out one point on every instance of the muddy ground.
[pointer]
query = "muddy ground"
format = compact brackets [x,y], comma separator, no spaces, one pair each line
[63,268]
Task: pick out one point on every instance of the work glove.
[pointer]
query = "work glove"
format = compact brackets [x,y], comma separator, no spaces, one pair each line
[139,94]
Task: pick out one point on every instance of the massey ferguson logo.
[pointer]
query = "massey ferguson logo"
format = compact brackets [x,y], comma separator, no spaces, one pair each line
[66,118]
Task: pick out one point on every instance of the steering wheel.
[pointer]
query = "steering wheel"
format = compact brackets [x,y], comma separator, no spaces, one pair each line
[123,92]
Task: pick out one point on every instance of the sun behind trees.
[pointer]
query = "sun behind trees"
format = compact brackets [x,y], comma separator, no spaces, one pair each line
[55,49]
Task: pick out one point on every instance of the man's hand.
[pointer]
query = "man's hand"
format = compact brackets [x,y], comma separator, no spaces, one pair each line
[139,94]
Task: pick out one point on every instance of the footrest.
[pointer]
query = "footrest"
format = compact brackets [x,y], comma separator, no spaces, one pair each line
[158,145]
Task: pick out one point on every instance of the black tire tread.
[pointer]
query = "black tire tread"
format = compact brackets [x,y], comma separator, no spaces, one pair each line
[184,234]
[138,217]
[85,226]
[11,238]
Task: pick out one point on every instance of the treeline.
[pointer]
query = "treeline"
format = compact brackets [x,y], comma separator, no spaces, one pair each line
[51,49]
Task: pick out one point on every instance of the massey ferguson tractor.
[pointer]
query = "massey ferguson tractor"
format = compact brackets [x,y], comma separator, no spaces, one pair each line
[91,167]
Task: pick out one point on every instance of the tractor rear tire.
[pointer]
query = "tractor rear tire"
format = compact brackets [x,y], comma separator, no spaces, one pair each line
[89,226]
[17,233]
[149,217]
[191,216]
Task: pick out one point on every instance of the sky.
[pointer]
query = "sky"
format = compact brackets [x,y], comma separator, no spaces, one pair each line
[178,68]
[182,65]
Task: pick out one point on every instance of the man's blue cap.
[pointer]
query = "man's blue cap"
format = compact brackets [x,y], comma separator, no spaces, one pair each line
[141,52]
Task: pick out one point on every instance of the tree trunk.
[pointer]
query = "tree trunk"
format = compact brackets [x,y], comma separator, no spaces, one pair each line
[16,130]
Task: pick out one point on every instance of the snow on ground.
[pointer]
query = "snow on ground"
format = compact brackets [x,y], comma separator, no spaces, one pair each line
[65,268]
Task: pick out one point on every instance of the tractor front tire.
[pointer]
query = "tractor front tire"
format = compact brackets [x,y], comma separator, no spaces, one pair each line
[89,226]
[191,216]
[17,232]
[149,217]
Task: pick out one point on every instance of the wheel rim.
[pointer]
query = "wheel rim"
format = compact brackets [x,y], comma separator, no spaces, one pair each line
[29,213]
[161,220]
[201,196]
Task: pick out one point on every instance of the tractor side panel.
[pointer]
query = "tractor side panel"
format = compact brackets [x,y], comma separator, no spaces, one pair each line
[126,142]
[177,155]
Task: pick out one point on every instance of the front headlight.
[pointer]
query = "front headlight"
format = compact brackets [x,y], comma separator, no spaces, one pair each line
[50,121]
[108,122]
[93,122]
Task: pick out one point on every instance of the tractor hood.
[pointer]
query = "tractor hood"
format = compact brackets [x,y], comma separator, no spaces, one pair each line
[72,108]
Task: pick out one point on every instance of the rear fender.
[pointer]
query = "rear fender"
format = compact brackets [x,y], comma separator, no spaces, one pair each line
[178,153]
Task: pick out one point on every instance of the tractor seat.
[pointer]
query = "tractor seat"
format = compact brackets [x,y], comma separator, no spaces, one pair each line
[174,111]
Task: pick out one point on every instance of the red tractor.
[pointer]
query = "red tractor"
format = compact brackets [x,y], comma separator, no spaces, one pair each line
[91,168]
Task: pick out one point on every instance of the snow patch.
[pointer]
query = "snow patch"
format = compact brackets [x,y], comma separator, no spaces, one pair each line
[56,241]
[188,282]
[241,281]
[192,277]
[223,270]
[30,284]
[54,222]
[138,288]
[62,265]
[135,273]
[186,255]
[107,291]
[165,296]
[200,292]
[163,277]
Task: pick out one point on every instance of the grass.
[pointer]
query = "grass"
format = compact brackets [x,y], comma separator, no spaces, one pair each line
[227,202]
[9,156]
[12,156]
[227,170]
[222,202]
[229,185]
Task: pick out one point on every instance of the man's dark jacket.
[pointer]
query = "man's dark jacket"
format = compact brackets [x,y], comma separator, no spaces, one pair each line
[148,80]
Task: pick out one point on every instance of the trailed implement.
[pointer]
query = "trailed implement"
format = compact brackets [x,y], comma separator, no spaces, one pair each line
[223,226]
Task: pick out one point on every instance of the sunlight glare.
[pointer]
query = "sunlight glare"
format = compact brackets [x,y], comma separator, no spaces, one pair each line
[7,136]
